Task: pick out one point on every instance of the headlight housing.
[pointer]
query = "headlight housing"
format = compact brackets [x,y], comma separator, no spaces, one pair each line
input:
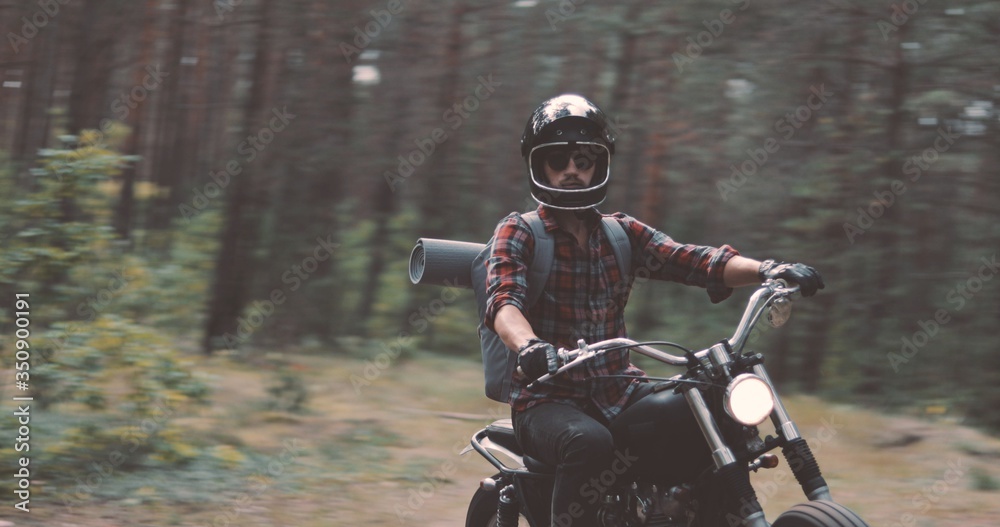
[749,399]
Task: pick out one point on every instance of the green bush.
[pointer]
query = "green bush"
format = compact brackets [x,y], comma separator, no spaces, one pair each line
[60,226]
[88,349]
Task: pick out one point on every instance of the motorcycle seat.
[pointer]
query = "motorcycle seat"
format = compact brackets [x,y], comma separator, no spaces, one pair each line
[501,432]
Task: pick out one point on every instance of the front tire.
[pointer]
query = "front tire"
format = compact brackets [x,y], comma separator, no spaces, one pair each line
[819,513]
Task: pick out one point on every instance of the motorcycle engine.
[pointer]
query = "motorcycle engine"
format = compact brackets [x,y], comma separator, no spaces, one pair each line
[647,506]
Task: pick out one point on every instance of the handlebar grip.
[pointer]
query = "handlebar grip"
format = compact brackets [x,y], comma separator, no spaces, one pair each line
[552,362]
[785,287]
[568,355]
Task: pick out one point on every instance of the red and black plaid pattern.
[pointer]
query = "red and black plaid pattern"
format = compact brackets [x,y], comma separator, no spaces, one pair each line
[585,298]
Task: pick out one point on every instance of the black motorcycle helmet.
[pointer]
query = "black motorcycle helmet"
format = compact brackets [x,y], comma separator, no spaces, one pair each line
[568,120]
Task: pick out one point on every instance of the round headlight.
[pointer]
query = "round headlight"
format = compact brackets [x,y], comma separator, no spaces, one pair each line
[749,399]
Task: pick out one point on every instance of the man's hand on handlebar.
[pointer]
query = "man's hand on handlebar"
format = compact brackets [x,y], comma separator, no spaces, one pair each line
[806,277]
[537,357]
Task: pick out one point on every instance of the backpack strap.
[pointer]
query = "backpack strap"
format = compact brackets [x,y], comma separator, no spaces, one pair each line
[619,243]
[541,260]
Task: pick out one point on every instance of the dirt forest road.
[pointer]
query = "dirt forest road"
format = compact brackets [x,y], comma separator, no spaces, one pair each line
[384,452]
[896,471]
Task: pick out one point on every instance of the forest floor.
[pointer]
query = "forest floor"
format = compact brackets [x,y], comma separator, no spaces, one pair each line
[382,449]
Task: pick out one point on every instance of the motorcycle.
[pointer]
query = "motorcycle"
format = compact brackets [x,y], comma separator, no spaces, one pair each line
[729,394]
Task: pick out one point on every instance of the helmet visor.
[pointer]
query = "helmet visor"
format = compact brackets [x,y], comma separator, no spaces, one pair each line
[557,157]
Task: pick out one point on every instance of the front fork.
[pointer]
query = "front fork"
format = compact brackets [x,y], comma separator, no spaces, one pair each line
[797,452]
[735,477]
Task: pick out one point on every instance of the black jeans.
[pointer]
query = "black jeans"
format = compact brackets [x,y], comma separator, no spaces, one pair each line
[590,454]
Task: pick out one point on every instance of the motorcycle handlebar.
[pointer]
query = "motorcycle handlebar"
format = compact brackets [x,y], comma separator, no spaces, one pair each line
[766,294]
[575,357]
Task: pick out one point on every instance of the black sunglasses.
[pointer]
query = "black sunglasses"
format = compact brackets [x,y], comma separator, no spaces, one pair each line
[558,160]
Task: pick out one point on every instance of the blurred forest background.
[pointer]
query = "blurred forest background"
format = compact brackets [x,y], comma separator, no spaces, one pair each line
[184,179]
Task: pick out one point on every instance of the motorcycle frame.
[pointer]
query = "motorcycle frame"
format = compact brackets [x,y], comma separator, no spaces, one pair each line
[516,476]
[718,358]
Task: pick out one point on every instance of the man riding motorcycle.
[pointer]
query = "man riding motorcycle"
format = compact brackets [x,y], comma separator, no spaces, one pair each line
[567,147]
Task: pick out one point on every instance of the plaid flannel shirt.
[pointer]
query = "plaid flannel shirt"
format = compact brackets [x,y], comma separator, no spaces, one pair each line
[585,297]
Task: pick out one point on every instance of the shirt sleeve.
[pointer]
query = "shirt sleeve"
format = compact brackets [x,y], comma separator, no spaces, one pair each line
[507,267]
[657,256]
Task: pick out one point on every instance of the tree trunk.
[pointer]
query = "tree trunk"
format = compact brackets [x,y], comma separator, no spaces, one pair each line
[436,174]
[234,265]
[619,109]
[124,212]
[94,47]
[384,198]
[190,113]
[26,143]
[167,162]
[883,235]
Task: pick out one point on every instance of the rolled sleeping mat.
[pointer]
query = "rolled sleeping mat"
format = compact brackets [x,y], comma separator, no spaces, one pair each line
[443,262]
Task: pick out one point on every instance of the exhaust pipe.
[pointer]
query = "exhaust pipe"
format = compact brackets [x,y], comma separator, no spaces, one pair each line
[443,262]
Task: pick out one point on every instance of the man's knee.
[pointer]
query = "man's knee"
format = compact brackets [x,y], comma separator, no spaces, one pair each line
[591,446]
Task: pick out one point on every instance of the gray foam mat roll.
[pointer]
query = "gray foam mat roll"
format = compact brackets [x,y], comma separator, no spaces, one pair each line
[443,262]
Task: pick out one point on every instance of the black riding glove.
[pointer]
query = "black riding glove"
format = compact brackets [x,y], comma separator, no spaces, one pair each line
[806,277]
[536,358]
